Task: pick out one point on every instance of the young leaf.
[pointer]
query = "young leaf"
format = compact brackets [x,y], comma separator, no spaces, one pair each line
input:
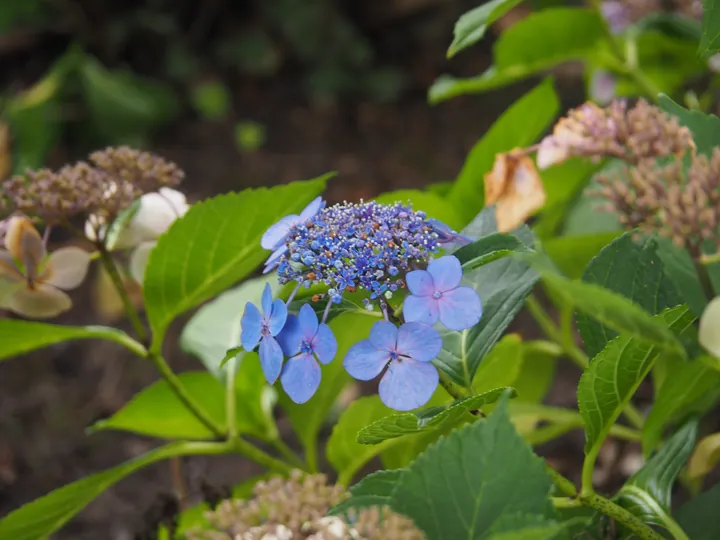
[699,518]
[42,517]
[614,374]
[373,490]
[434,205]
[214,245]
[18,337]
[344,453]
[710,40]
[466,485]
[705,128]
[488,249]
[430,419]
[471,26]
[308,419]
[634,271]
[519,126]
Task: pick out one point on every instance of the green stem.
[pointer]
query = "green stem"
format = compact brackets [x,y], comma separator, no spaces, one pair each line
[565,502]
[619,514]
[231,400]
[565,486]
[253,453]
[704,277]
[450,387]
[288,454]
[311,455]
[668,522]
[117,282]
[183,395]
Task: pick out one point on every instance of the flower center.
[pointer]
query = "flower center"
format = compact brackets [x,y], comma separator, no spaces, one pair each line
[437,295]
[306,347]
[394,356]
[265,328]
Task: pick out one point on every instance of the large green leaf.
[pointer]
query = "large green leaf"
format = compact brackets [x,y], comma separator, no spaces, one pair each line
[215,244]
[633,270]
[466,485]
[488,249]
[699,517]
[433,204]
[373,490]
[18,337]
[688,387]
[519,126]
[537,372]
[430,419]
[681,271]
[42,517]
[502,286]
[501,367]
[344,453]
[705,128]
[710,40]
[572,254]
[536,43]
[613,376]
[309,418]
[471,26]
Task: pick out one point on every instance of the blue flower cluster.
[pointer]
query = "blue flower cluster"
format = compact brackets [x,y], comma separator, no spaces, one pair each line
[372,247]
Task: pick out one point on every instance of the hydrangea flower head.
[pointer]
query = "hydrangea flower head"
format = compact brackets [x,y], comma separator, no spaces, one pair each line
[262,328]
[448,238]
[410,379]
[436,295]
[305,341]
[275,236]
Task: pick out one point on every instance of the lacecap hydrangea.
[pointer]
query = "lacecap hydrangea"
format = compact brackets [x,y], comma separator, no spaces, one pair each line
[381,250]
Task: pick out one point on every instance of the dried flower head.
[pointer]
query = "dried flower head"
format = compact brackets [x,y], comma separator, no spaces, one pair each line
[296,508]
[682,206]
[631,134]
[116,178]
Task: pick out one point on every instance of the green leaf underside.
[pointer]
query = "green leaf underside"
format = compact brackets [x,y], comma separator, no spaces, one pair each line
[466,484]
[488,249]
[538,42]
[43,516]
[471,26]
[429,419]
[633,270]
[373,490]
[18,337]
[615,373]
[705,128]
[710,40]
[519,126]
[216,244]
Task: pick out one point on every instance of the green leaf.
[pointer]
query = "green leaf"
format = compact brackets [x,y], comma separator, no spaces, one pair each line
[634,271]
[488,249]
[42,517]
[710,40]
[213,246]
[537,374]
[430,419]
[471,26]
[502,286]
[699,518]
[647,494]
[373,490]
[502,365]
[124,106]
[18,337]
[435,205]
[705,128]
[536,43]
[211,99]
[614,375]
[344,453]
[309,418]
[519,126]
[688,387]
[466,485]
[680,269]
[572,254]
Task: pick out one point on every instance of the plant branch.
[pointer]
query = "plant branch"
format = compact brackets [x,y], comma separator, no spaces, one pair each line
[450,387]
[287,452]
[231,400]
[253,453]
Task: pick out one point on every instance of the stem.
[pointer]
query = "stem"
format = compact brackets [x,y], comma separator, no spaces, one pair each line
[619,514]
[117,281]
[178,481]
[288,453]
[183,395]
[668,522]
[565,486]
[705,281]
[565,502]
[311,455]
[252,452]
[450,387]
[231,400]
[548,326]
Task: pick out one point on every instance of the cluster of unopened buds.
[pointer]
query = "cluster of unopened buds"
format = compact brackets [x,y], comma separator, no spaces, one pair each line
[384,251]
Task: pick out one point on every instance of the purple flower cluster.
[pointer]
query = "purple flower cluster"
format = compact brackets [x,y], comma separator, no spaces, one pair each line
[375,248]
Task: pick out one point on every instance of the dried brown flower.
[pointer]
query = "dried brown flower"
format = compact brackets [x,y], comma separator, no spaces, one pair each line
[117,177]
[296,508]
[633,135]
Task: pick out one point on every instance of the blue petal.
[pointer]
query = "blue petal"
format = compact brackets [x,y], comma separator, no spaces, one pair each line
[420,283]
[275,236]
[278,316]
[324,344]
[460,308]
[421,309]
[365,362]
[308,322]
[271,358]
[250,325]
[312,209]
[446,273]
[301,377]
[274,259]
[290,338]
[408,385]
[266,300]
[419,341]
[383,336]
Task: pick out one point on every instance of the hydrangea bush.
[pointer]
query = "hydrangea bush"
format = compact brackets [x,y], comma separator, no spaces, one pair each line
[601,223]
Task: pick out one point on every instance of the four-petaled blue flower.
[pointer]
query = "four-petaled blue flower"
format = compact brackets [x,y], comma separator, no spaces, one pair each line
[305,341]
[410,379]
[435,294]
[262,328]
